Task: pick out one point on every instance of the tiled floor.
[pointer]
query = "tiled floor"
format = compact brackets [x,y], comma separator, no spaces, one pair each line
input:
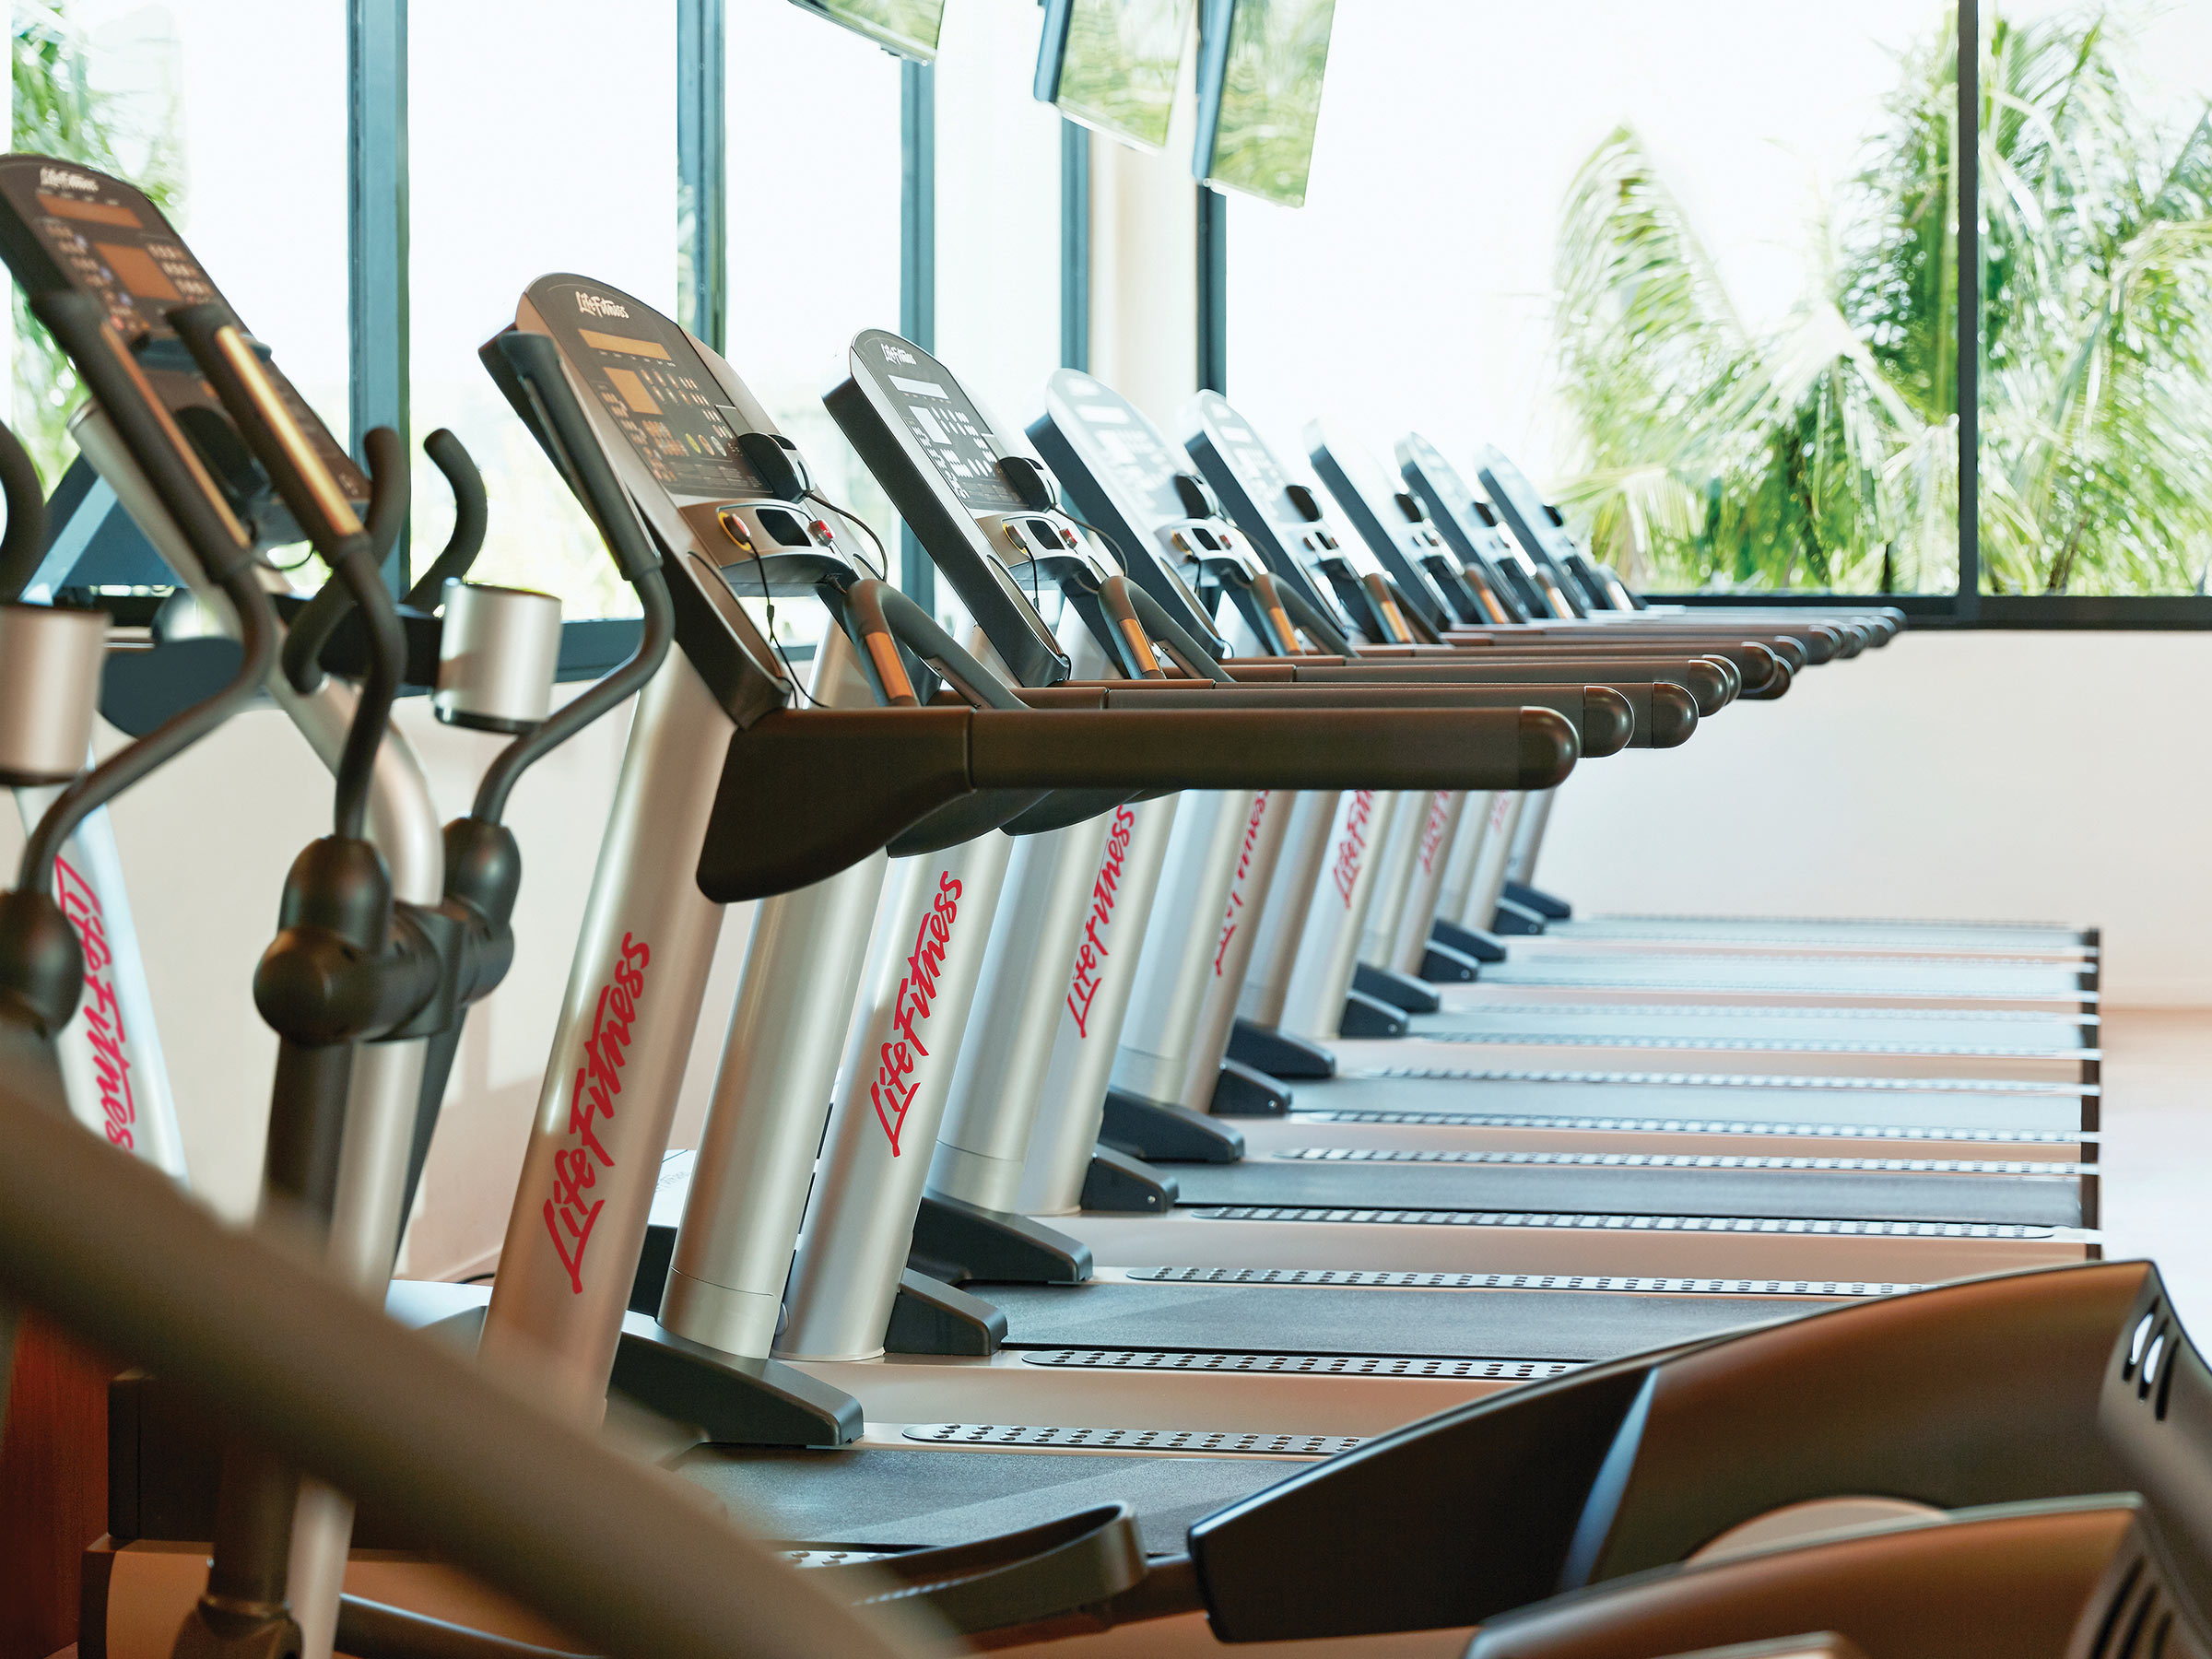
[2158,1150]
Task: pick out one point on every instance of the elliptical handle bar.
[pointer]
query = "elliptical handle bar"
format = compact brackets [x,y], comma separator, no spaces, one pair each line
[24,543]
[224,354]
[472,515]
[385,453]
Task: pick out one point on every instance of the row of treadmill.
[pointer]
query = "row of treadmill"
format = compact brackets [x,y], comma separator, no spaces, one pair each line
[1174,1176]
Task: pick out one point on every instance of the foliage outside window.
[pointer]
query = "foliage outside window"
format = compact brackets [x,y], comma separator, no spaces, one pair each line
[61,110]
[1823,454]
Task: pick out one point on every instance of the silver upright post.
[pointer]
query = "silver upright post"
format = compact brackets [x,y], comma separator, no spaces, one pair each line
[1536,818]
[1417,917]
[1394,863]
[1071,1101]
[611,1084]
[111,1050]
[1489,880]
[1179,944]
[1250,889]
[1023,987]
[772,1093]
[920,980]
[1306,843]
[1466,852]
[1328,950]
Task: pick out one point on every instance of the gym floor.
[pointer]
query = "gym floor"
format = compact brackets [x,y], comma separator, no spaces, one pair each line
[2157,1142]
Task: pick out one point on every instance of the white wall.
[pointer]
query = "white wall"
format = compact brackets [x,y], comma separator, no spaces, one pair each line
[2012,776]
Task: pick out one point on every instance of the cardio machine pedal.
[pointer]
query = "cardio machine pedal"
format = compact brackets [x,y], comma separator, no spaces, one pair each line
[1515,919]
[1279,1053]
[1470,941]
[1550,907]
[1158,1133]
[1244,1091]
[1366,1016]
[1399,990]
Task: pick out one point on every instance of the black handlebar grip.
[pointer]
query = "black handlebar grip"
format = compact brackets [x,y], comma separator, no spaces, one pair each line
[1674,716]
[534,361]
[388,495]
[1609,724]
[472,515]
[24,544]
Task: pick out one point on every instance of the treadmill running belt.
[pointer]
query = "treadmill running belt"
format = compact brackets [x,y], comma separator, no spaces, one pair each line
[1822,1195]
[1907,978]
[876,1495]
[1551,1022]
[1634,1098]
[1320,1319]
[1963,936]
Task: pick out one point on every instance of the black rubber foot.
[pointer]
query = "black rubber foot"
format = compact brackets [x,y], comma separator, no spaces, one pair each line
[733,1400]
[1365,1016]
[1550,907]
[1469,941]
[1158,1133]
[1279,1053]
[1441,965]
[932,1317]
[1118,1184]
[1399,990]
[1513,919]
[1246,1091]
[652,1277]
[956,1241]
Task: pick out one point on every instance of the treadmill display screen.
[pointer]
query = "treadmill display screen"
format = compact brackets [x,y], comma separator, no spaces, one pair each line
[1132,448]
[653,383]
[1268,101]
[950,430]
[105,239]
[909,28]
[1418,454]
[1118,64]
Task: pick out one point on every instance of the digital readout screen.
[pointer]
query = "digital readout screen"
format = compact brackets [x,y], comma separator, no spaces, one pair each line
[952,433]
[654,384]
[1132,448]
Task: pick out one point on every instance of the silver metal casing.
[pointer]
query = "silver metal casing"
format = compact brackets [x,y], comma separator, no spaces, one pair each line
[50,663]
[498,651]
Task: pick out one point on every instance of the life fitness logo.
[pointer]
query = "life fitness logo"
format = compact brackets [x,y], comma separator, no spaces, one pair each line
[893,1091]
[60,178]
[104,1034]
[592,305]
[1432,832]
[1352,850]
[1232,918]
[572,1212]
[1090,955]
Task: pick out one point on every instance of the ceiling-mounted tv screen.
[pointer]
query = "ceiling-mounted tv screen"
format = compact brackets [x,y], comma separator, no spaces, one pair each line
[906,27]
[1260,66]
[1112,63]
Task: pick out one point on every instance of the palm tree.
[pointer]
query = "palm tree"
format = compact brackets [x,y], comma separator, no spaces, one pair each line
[1824,454]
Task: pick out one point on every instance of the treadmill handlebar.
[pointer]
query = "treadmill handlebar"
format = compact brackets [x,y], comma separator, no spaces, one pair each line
[1706,682]
[1603,719]
[870,774]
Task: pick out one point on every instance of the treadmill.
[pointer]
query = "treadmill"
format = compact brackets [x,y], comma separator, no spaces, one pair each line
[1125,476]
[1287,524]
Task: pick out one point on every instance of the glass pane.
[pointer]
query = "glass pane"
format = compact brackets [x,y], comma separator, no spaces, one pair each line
[998,210]
[1119,63]
[813,119]
[2097,314]
[529,153]
[1688,271]
[151,93]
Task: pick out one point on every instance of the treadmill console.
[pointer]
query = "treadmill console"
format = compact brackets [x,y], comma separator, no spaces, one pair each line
[65,227]
[1288,520]
[1125,476]
[1395,526]
[685,421]
[1470,527]
[980,503]
[1521,505]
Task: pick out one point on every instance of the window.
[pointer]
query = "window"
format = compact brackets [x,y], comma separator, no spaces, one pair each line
[1639,252]
[530,150]
[2096,390]
[152,93]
